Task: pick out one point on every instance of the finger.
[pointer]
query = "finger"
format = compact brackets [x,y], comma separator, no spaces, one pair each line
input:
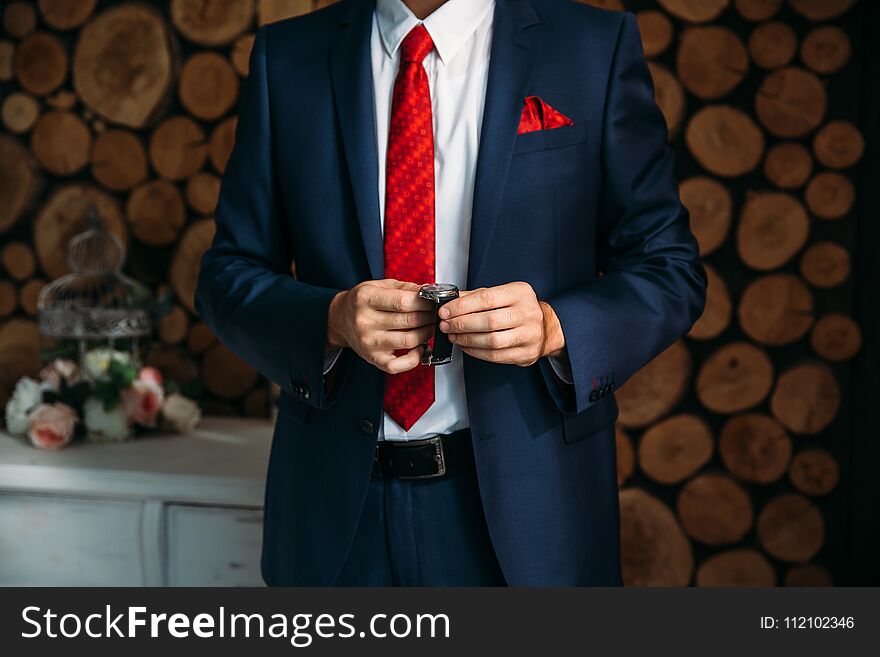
[388,362]
[402,339]
[405,321]
[487,298]
[490,320]
[493,340]
[394,284]
[515,356]
[393,300]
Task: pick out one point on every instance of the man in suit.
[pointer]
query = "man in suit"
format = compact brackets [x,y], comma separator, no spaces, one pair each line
[512,148]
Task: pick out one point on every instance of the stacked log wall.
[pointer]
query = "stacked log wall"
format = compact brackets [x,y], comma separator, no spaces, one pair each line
[730,444]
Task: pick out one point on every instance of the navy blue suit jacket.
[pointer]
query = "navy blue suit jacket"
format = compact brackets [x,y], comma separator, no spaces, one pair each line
[588,214]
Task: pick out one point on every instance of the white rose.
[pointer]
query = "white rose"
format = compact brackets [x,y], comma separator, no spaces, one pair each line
[27,395]
[96,361]
[103,425]
[180,413]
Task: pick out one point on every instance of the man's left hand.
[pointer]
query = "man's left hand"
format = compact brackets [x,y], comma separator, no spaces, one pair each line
[504,324]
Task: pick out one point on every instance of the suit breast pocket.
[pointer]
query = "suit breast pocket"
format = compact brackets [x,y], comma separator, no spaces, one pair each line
[600,415]
[543,140]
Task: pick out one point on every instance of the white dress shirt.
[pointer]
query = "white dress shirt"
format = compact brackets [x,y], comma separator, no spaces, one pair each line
[458,71]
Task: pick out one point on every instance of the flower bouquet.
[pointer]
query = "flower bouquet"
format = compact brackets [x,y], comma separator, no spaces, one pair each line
[106,398]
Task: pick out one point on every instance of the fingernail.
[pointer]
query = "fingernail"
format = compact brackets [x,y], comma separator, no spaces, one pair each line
[452,337]
[444,312]
[444,326]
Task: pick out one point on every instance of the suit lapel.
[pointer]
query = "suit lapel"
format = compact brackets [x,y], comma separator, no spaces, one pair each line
[516,41]
[352,76]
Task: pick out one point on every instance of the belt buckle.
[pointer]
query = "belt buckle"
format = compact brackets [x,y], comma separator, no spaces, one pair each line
[439,458]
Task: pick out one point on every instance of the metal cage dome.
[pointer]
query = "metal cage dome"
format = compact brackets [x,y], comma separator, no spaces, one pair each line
[95,300]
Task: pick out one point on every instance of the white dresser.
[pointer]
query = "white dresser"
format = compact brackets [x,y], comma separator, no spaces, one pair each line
[155,511]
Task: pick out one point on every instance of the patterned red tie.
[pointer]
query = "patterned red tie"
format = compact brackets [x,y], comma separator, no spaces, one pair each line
[409,209]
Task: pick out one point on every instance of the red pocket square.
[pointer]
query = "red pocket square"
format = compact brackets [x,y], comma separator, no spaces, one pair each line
[538,115]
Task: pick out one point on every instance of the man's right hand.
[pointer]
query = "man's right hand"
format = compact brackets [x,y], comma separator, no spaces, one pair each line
[380,319]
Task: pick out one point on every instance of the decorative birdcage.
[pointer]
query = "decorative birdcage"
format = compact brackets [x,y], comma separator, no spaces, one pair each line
[95,305]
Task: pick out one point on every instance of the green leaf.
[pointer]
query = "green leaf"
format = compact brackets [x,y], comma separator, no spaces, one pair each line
[107,393]
[121,374]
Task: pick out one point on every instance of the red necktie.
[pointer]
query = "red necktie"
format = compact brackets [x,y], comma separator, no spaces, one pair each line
[409,209]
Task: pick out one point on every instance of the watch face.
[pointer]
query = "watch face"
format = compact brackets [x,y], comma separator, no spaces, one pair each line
[438,292]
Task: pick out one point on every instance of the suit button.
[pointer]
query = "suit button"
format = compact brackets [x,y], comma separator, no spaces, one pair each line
[306,393]
[366,426]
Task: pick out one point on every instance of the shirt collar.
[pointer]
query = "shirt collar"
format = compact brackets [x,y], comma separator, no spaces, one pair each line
[449,26]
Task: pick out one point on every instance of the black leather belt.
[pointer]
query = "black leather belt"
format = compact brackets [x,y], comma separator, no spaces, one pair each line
[424,459]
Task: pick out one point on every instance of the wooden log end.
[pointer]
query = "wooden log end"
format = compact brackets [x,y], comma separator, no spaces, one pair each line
[715,510]
[724,140]
[773,227]
[772,45]
[155,212]
[734,378]
[122,65]
[710,205]
[757,11]
[836,338]
[825,265]
[736,568]
[212,22]
[184,272]
[675,448]
[814,472]
[207,85]
[806,399]
[808,574]
[839,145]
[776,310]
[711,61]
[40,63]
[61,142]
[791,102]
[826,49]
[788,165]
[656,389]
[656,31]
[695,12]
[654,549]
[830,195]
[791,528]
[178,148]
[755,448]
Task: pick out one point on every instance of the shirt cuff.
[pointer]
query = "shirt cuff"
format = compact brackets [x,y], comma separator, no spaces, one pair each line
[562,369]
[330,358]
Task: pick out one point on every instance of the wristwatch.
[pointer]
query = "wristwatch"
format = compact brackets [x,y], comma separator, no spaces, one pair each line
[438,293]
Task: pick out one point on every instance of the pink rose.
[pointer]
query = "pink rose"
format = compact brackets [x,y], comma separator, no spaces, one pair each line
[60,368]
[150,375]
[142,401]
[51,426]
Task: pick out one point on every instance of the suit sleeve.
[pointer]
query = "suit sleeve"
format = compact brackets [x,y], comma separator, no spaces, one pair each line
[653,283]
[245,292]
